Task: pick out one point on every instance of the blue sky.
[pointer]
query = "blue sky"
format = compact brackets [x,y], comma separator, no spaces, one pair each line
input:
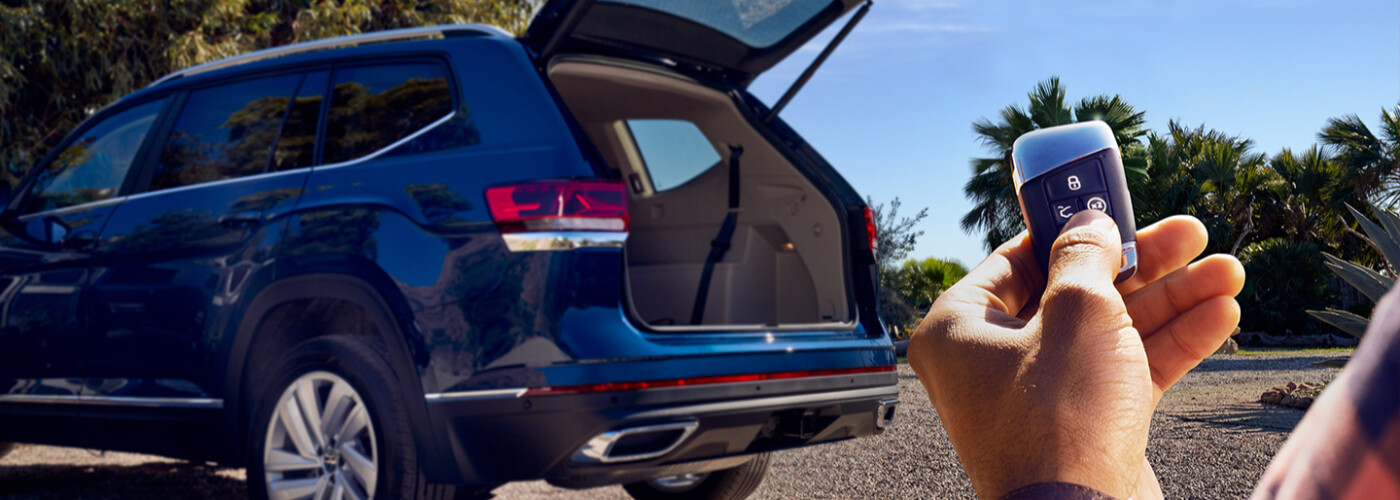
[893,106]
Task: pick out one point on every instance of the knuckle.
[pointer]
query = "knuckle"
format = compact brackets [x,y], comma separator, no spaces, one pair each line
[1071,299]
[1084,240]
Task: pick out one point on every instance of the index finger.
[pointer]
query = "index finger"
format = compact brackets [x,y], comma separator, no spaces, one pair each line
[1005,281]
[1166,246]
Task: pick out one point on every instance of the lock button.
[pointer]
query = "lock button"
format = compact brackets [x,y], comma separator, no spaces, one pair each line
[1075,181]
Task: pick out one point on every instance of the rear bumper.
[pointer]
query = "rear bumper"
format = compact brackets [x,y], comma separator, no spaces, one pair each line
[501,436]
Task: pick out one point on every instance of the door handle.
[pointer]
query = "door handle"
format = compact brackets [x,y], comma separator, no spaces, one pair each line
[241,220]
[80,240]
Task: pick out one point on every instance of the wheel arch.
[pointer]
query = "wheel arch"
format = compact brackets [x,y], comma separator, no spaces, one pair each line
[269,324]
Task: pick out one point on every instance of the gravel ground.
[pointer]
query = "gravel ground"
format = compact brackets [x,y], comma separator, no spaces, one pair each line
[1210,439]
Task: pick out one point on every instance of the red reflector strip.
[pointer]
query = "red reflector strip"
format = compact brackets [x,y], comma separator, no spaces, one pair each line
[719,379]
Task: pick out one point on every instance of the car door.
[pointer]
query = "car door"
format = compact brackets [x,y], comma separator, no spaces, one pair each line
[47,241]
[233,159]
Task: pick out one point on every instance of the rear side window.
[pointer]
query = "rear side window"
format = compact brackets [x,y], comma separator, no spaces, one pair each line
[675,151]
[225,132]
[93,167]
[375,106]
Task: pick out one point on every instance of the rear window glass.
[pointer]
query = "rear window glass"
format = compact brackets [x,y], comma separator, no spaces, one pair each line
[757,23]
[375,106]
[675,151]
[225,132]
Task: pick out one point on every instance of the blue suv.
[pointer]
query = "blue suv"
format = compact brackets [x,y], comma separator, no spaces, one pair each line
[427,262]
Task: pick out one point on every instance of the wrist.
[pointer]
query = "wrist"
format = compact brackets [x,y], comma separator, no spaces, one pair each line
[1111,478]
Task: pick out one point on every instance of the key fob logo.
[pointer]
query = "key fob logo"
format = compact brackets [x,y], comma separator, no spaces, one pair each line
[1074,183]
[1066,211]
[1097,203]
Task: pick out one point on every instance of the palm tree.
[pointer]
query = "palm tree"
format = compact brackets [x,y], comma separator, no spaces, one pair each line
[1206,173]
[1300,201]
[1373,163]
[925,280]
[996,210]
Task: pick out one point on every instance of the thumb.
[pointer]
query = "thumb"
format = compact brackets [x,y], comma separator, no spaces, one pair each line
[1083,263]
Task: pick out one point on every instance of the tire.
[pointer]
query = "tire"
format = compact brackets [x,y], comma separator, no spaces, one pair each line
[729,484]
[350,386]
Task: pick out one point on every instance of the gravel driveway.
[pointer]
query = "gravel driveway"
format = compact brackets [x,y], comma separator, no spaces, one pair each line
[1210,439]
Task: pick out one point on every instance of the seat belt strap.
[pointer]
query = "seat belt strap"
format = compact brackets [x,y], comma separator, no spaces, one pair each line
[720,245]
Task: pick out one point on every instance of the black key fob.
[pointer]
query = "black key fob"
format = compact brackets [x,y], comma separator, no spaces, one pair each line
[1062,170]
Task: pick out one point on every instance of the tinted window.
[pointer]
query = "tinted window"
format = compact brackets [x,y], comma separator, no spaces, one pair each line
[297,146]
[675,151]
[374,106]
[757,23]
[225,132]
[93,166]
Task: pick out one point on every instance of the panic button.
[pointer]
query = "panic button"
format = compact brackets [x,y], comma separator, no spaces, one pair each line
[1095,201]
[1075,181]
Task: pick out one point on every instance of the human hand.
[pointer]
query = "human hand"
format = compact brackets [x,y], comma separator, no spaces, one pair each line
[1056,379]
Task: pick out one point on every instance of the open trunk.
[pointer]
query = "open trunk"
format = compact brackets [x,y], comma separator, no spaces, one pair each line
[672,140]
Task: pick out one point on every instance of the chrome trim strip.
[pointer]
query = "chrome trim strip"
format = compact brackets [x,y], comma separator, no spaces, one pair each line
[563,240]
[386,149]
[208,403]
[1035,153]
[219,182]
[74,208]
[884,414]
[825,328]
[475,395]
[302,170]
[1130,262]
[599,449]
[333,43]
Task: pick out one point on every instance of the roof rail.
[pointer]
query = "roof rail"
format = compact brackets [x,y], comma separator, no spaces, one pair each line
[337,42]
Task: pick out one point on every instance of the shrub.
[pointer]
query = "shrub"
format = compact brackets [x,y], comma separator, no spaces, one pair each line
[1283,279]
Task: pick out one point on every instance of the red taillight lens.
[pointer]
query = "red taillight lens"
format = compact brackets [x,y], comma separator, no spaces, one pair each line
[870,229]
[559,206]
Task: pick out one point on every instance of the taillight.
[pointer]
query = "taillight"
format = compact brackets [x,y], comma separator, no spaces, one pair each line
[870,229]
[593,205]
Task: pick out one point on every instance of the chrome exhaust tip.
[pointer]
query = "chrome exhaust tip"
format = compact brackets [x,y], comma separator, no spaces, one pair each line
[884,413]
[635,443]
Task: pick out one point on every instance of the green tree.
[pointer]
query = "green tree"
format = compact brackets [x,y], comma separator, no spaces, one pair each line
[64,59]
[1372,162]
[996,211]
[924,280]
[895,238]
[1282,280]
[1302,196]
[1209,174]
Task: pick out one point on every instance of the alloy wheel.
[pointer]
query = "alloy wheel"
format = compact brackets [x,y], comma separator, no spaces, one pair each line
[320,442]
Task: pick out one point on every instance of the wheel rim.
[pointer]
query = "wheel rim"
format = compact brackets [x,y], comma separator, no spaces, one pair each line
[679,484]
[320,442]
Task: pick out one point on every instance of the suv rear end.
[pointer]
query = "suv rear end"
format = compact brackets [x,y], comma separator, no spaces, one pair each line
[582,261]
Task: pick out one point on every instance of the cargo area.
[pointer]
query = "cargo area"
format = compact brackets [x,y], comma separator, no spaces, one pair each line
[676,143]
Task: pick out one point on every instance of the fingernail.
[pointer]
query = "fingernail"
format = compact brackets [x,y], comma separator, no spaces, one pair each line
[1094,218]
